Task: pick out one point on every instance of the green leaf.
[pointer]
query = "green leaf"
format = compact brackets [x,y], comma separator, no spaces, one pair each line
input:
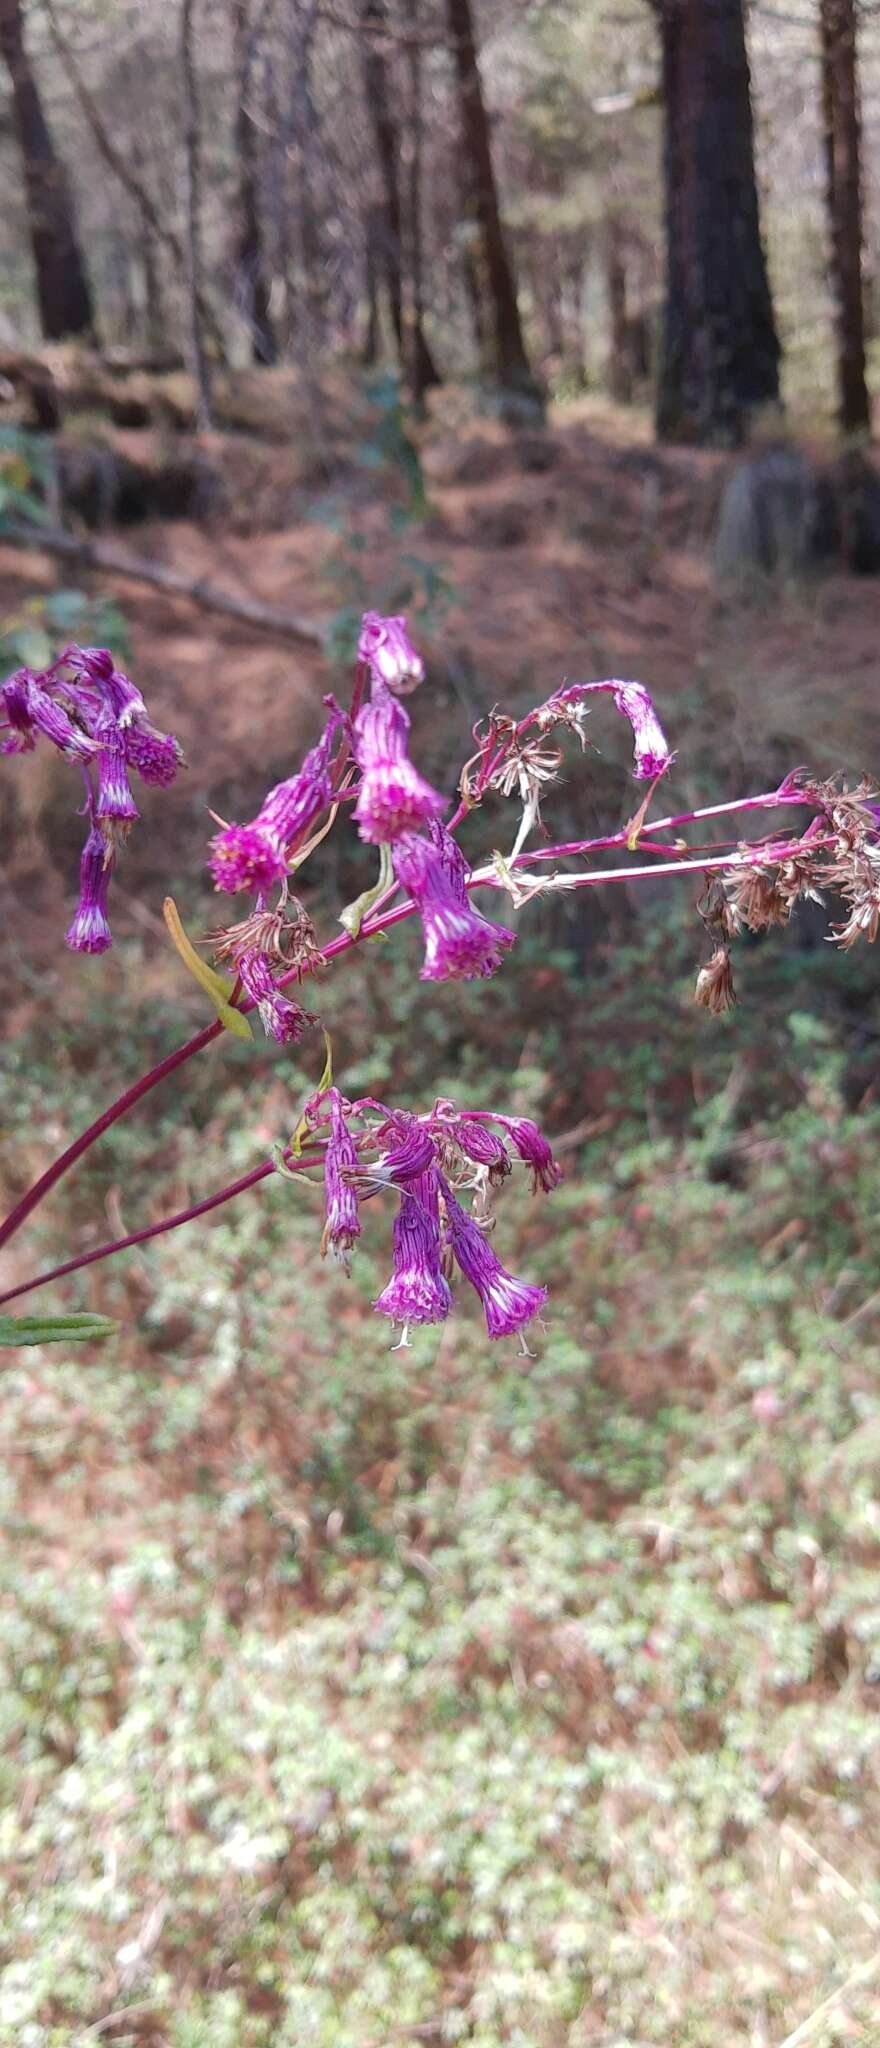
[216,986]
[74,1329]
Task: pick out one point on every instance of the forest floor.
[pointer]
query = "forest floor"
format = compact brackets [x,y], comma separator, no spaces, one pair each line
[358,1700]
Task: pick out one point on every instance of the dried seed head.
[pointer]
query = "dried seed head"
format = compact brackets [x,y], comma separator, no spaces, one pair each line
[714,986]
[756,900]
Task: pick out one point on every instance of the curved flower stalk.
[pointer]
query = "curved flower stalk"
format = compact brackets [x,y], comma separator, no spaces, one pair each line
[429,1162]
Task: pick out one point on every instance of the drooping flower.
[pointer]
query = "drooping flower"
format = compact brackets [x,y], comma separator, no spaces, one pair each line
[508,1304]
[417,1291]
[393,796]
[32,711]
[281,1019]
[532,1146]
[484,1147]
[255,856]
[459,943]
[652,754]
[121,696]
[115,801]
[387,648]
[155,756]
[342,1222]
[411,1153]
[89,931]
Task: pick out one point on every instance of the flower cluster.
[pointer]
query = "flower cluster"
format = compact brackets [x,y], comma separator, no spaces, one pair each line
[429,1160]
[93,714]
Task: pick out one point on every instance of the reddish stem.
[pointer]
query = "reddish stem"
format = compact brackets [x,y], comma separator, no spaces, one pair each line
[123,1244]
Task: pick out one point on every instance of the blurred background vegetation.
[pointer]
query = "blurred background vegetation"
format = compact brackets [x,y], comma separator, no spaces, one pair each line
[356,1699]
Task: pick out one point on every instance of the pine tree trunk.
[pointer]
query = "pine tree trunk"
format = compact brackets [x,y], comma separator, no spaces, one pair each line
[421,369]
[254,282]
[620,380]
[387,226]
[198,358]
[720,352]
[840,104]
[62,288]
[509,362]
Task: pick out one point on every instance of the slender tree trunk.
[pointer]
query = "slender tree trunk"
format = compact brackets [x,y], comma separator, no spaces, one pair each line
[619,364]
[370,343]
[421,369]
[62,287]
[387,221]
[720,354]
[509,362]
[252,269]
[840,105]
[199,364]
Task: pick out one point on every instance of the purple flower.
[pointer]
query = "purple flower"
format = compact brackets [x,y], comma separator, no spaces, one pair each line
[532,1146]
[156,756]
[386,646]
[459,944]
[281,1019]
[508,1304]
[411,1153]
[342,1222]
[115,799]
[652,754]
[255,856]
[97,666]
[483,1147]
[417,1291]
[393,796]
[31,710]
[89,931]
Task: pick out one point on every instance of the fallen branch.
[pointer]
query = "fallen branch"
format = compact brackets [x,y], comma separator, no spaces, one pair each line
[99,554]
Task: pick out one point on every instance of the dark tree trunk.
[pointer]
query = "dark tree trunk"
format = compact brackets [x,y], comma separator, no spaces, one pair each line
[252,269]
[62,287]
[620,380]
[508,363]
[720,353]
[840,106]
[421,369]
[198,357]
[387,225]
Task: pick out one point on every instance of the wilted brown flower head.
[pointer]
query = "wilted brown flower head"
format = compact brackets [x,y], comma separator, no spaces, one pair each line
[714,985]
[756,899]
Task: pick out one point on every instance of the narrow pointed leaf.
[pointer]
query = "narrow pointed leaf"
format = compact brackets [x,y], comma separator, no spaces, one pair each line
[216,986]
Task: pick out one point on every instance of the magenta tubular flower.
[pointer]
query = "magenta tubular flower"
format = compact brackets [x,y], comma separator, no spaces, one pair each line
[281,1019]
[483,1147]
[412,1152]
[532,1146]
[31,711]
[155,756]
[89,931]
[342,1222]
[115,799]
[255,856]
[96,666]
[417,1291]
[508,1304]
[459,944]
[387,648]
[652,755]
[393,796]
